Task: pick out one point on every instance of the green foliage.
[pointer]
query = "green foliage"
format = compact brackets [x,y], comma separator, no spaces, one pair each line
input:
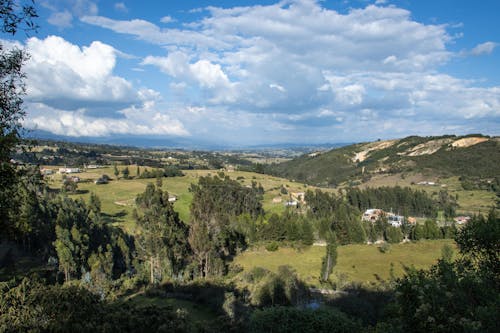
[282,288]
[163,240]
[287,319]
[330,259]
[479,239]
[393,235]
[14,15]
[273,246]
[34,307]
[447,253]
[431,230]
[458,296]
[126,172]
[404,200]
[219,206]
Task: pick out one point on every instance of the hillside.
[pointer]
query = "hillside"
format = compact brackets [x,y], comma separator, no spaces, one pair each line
[445,156]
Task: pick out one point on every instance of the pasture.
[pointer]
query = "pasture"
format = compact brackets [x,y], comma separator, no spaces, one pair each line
[360,263]
[118,196]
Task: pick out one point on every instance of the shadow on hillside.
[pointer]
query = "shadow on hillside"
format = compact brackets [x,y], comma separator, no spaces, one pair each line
[116,217]
[367,305]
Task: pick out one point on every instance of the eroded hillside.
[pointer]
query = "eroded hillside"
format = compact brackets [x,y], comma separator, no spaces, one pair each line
[470,156]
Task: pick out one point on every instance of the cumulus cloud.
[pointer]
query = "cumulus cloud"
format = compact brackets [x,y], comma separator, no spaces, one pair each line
[61,73]
[73,91]
[304,65]
[143,120]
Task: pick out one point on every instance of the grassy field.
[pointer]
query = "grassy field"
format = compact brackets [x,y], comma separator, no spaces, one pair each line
[470,202]
[360,263]
[118,196]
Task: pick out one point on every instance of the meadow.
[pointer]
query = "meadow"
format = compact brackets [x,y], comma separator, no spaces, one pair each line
[118,196]
[361,263]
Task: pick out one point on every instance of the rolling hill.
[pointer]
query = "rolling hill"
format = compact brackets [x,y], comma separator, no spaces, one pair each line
[444,156]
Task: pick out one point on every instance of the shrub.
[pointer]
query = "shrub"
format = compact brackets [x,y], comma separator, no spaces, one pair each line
[288,319]
[273,246]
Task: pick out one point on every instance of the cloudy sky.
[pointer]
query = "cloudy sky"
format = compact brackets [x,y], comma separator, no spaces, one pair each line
[254,72]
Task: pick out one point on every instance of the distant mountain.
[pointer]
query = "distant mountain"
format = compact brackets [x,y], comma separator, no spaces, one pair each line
[472,155]
[179,143]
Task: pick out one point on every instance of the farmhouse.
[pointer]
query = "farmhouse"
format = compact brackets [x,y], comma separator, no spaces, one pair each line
[372,215]
[69,170]
[395,220]
[462,219]
[46,172]
[93,166]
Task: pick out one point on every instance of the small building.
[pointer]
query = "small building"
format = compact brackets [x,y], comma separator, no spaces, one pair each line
[462,219]
[93,166]
[172,198]
[395,220]
[69,170]
[372,215]
[46,172]
[291,203]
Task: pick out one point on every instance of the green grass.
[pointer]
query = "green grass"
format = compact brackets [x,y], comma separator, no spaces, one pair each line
[360,263]
[118,196]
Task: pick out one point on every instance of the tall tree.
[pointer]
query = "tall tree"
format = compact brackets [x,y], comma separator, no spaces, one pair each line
[14,15]
[163,238]
[330,258]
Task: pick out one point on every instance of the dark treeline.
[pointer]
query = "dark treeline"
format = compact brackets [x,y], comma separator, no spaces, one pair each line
[167,171]
[402,200]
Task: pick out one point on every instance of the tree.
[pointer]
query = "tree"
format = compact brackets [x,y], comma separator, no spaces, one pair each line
[459,295]
[14,15]
[116,172]
[163,239]
[200,243]
[330,258]
[126,172]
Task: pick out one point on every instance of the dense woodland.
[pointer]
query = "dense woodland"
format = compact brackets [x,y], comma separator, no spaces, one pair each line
[83,270]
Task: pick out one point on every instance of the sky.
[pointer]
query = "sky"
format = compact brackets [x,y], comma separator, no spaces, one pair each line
[242,73]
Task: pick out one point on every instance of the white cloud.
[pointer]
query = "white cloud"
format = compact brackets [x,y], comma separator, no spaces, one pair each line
[121,7]
[137,121]
[61,19]
[61,72]
[303,65]
[484,48]
[63,11]
[167,19]
[73,91]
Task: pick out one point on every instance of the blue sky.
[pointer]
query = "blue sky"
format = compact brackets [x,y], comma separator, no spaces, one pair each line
[257,72]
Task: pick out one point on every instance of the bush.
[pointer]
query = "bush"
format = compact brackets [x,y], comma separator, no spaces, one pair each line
[384,248]
[283,288]
[288,319]
[394,235]
[272,247]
